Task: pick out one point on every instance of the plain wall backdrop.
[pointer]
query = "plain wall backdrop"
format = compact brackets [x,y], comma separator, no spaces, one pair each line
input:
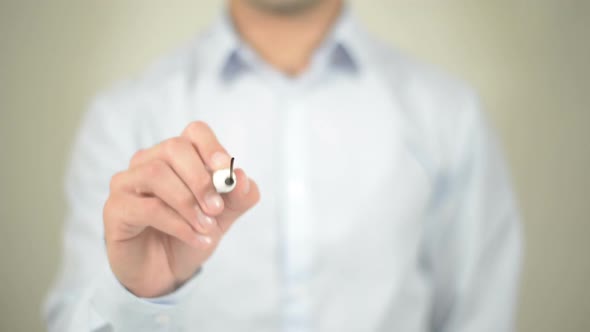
[530,60]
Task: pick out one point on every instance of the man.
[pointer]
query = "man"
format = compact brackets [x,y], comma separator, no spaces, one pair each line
[370,196]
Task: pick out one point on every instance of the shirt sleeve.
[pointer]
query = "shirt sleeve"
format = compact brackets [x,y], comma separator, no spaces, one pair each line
[475,247]
[86,295]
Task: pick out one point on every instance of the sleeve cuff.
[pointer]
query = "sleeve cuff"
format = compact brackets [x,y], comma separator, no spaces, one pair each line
[125,311]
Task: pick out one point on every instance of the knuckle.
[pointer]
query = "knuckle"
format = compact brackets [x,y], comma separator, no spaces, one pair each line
[172,147]
[107,211]
[110,216]
[137,157]
[155,168]
[151,207]
[196,127]
[116,181]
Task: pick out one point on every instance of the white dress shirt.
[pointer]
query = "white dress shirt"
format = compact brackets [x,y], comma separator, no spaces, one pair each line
[385,204]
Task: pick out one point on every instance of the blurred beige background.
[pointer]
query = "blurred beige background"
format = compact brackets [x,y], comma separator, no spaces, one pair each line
[529,59]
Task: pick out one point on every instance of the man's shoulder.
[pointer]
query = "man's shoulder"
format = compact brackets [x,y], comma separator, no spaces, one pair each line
[170,76]
[424,90]
[412,77]
[439,107]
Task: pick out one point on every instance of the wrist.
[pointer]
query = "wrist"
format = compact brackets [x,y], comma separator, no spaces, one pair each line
[152,288]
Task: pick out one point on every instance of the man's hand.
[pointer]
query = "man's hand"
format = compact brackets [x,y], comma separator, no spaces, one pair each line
[163,217]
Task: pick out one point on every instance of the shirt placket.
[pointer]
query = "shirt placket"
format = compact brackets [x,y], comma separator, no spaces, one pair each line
[296,217]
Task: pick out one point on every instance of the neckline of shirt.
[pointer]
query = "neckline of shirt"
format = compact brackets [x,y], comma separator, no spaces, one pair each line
[229,56]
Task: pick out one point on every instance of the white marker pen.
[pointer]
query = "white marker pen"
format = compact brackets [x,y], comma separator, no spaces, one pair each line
[224,180]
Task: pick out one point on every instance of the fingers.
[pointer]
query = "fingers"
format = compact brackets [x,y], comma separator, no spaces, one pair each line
[180,154]
[178,172]
[240,200]
[134,213]
[157,178]
[211,151]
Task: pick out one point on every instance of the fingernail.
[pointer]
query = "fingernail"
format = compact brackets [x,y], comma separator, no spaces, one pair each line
[246,188]
[204,219]
[220,160]
[214,201]
[204,239]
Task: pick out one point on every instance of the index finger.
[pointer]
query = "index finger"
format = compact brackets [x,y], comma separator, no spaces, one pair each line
[212,153]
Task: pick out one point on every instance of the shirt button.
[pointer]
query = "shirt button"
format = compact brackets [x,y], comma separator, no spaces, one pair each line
[162,319]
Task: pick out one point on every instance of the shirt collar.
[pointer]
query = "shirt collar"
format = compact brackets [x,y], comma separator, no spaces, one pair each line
[343,43]
[234,57]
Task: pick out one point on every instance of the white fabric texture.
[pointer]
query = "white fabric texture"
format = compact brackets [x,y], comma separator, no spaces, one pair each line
[385,203]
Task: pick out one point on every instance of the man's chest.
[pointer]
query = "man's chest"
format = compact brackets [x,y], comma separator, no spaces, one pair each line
[342,197]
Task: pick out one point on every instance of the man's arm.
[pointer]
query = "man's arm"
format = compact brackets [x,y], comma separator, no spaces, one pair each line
[475,247]
[104,143]
[113,253]
[86,295]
